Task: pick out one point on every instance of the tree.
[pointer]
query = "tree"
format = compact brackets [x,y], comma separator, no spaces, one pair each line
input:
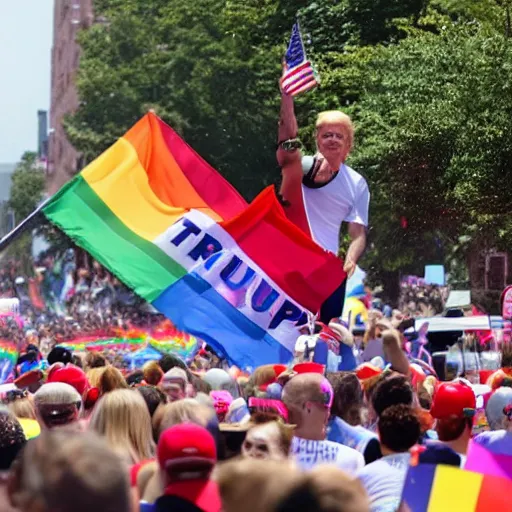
[27,186]
[435,130]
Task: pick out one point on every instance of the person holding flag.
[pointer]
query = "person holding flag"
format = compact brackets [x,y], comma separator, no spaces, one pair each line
[320,193]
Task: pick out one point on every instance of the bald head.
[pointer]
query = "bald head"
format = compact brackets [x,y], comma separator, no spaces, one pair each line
[307,387]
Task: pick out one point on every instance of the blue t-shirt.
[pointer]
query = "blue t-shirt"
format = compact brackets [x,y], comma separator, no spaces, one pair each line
[498,441]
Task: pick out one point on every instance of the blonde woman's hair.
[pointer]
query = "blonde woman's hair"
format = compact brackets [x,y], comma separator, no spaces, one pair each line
[122,417]
[23,408]
[187,410]
[339,118]
[94,376]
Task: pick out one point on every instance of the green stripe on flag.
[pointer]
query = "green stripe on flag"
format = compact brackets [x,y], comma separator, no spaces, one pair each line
[90,223]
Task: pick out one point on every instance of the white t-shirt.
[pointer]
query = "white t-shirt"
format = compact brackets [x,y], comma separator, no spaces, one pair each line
[384,481]
[309,453]
[345,198]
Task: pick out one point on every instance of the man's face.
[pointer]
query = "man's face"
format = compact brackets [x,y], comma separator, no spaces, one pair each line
[263,442]
[332,140]
[174,389]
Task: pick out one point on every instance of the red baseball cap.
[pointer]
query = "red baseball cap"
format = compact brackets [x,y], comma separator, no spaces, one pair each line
[187,445]
[72,375]
[309,367]
[453,399]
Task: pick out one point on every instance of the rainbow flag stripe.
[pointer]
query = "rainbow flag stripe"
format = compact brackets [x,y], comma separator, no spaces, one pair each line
[431,488]
[8,358]
[241,277]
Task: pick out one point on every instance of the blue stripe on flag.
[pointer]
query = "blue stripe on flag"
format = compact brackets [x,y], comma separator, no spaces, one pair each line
[418,486]
[197,308]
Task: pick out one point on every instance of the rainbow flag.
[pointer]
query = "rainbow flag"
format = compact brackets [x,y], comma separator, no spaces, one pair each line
[431,488]
[241,277]
[8,358]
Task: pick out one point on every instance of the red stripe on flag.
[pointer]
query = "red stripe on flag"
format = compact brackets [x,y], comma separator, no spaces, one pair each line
[291,73]
[303,86]
[211,186]
[494,494]
[301,268]
[305,75]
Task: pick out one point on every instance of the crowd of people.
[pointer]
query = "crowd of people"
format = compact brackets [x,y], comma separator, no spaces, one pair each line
[421,299]
[84,435]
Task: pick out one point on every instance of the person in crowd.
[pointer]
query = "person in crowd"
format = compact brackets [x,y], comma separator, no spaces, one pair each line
[220,380]
[122,417]
[309,398]
[267,438]
[59,355]
[12,441]
[328,193]
[374,347]
[188,410]
[152,373]
[187,455]
[499,441]
[454,409]
[278,486]
[57,405]
[169,361]
[20,404]
[174,384]
[95,360]
[389,389]
[76,377]
[111,379]
[260,483]
[495,406]
[345,424]
[326,489]
[70,473]
[399,430]
[153,397]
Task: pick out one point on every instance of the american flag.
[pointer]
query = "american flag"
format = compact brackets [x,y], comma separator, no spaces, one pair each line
[299,75]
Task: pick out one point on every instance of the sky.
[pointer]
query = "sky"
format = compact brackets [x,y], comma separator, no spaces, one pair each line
[26,31]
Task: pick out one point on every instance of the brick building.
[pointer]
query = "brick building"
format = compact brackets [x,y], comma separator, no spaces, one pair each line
[69,17]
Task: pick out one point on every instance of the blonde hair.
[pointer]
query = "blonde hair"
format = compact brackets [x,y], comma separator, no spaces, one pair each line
[61,470]
[187,410]
[94,376]
[23,408]
[123,418]
[339,118]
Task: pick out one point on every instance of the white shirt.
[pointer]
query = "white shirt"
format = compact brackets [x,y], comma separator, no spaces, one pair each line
[345,198]
[384,481]
[309,453]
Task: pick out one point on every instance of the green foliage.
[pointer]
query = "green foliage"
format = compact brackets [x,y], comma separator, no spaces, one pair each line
[427,83]
[27,188]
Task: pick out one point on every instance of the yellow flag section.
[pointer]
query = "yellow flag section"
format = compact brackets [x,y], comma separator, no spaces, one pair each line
[132,193]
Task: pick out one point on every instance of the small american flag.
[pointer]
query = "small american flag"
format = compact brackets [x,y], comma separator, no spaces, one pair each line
[299,75]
